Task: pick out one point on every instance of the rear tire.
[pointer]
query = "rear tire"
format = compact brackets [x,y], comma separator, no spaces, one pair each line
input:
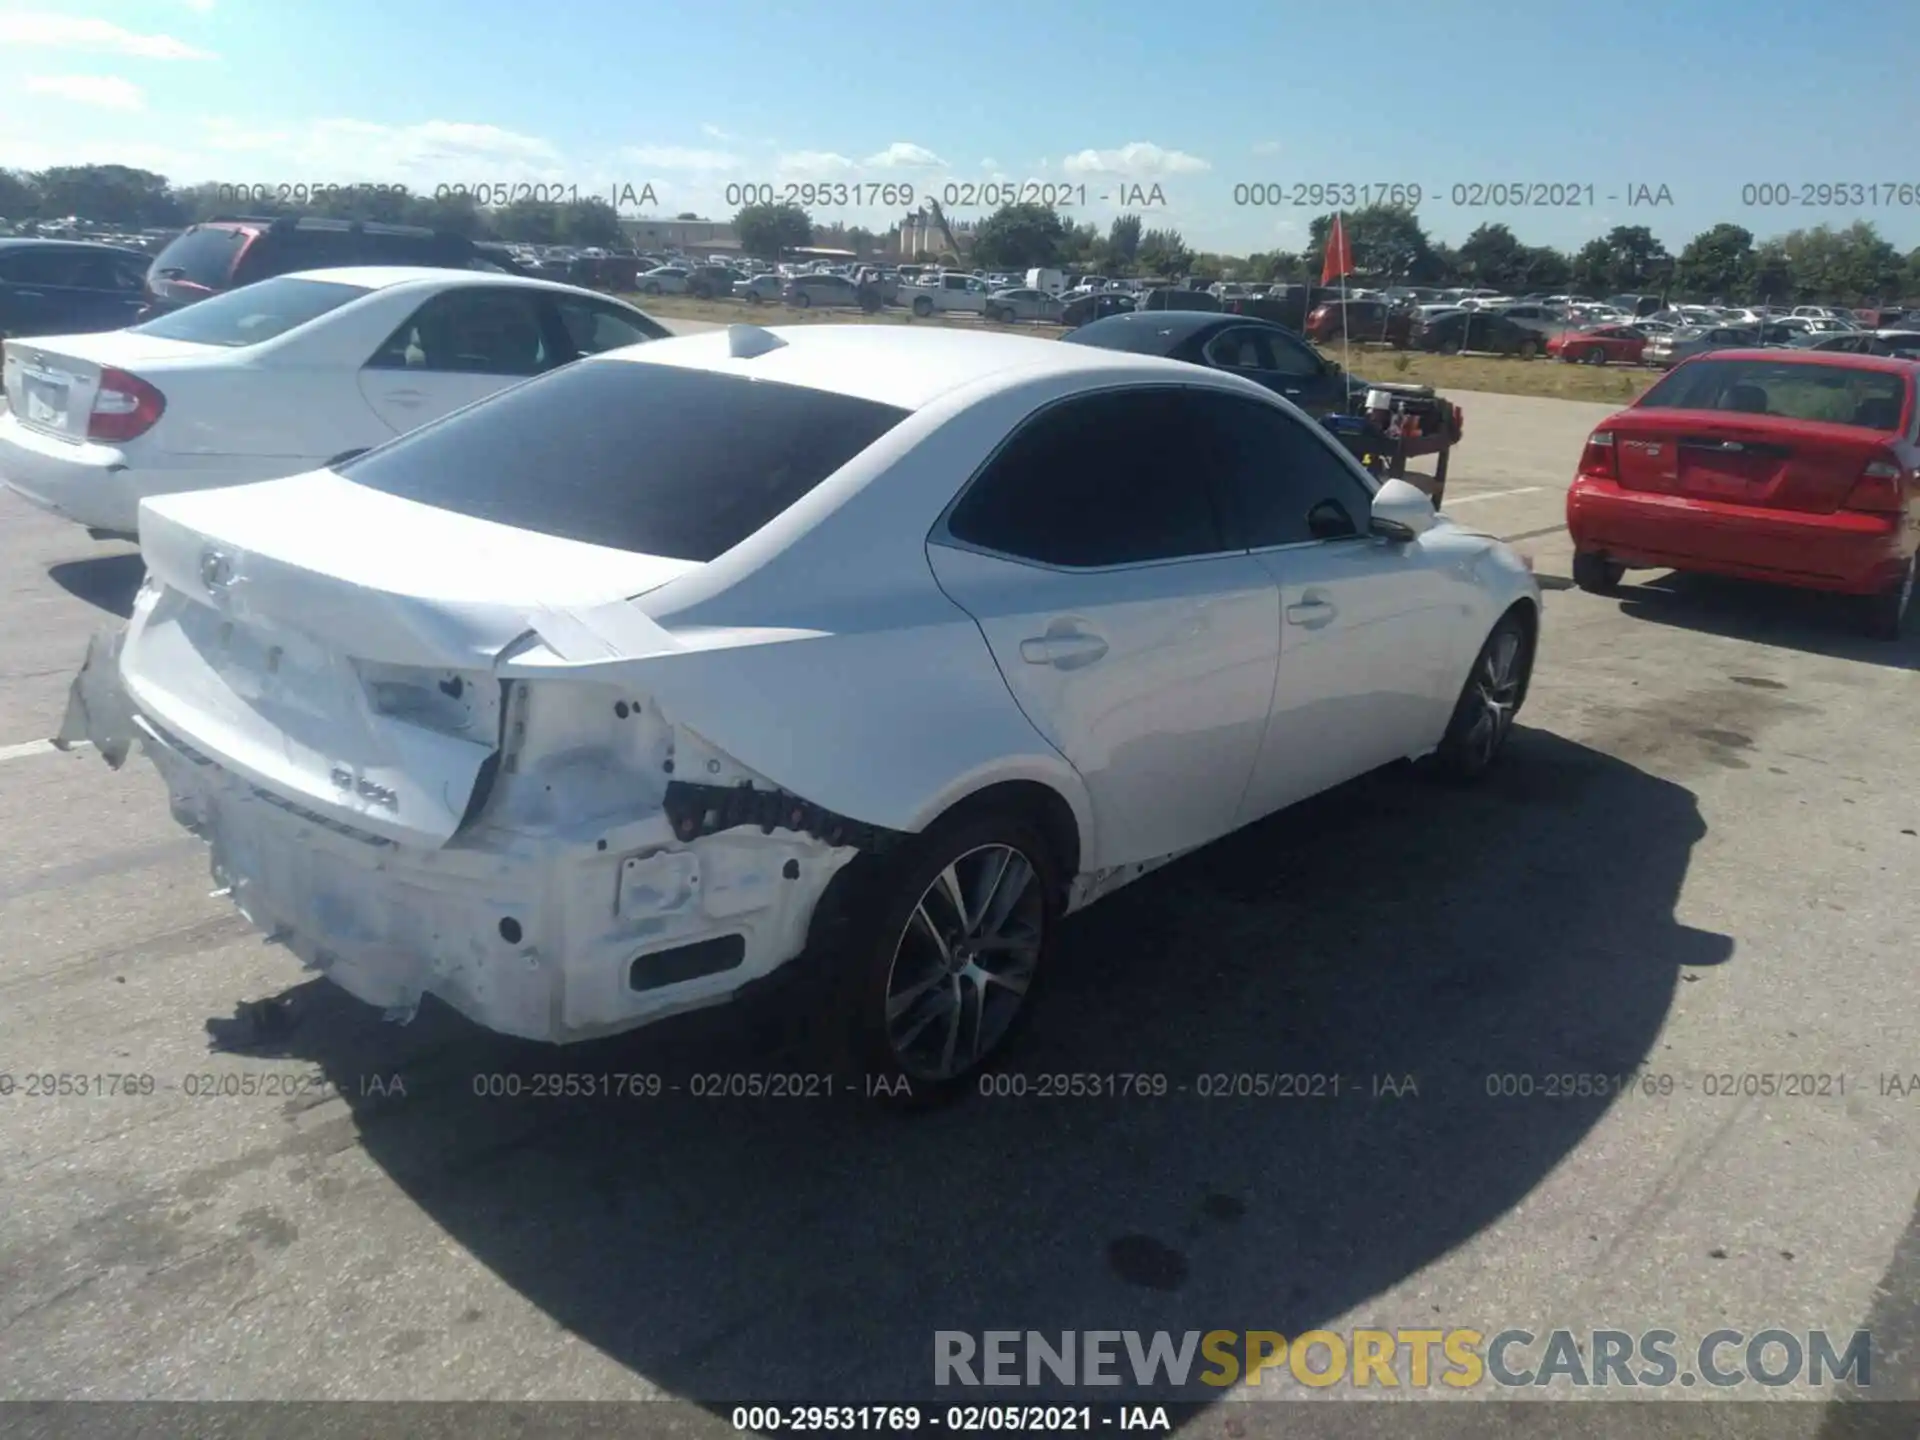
[1595,357]
[1528,350]
[1886,616]
[1596,574]
[922,1015]
[923,307]
[1495,688]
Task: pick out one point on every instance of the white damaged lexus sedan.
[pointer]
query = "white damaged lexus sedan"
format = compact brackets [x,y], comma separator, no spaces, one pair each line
[607,696]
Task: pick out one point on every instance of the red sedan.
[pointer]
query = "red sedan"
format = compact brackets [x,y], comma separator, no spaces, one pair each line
[1620,344]
[1800,468]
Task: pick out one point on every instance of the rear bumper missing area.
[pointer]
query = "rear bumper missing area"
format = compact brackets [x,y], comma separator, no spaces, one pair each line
[537,936]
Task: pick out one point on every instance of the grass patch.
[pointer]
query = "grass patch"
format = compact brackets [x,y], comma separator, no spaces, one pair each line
[1501,375]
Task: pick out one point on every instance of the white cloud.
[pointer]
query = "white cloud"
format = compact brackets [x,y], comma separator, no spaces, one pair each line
[814,163]
[676,157]
[1136,161]
[989,164]
[714,132]
[74,33]
[901,155]
[200,7]
[109,92]
[1268,147]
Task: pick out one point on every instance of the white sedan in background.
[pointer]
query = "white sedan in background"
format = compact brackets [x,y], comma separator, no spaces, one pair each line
[881,647]
[278,377]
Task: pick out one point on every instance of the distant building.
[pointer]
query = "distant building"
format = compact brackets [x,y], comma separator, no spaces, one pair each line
[648,234]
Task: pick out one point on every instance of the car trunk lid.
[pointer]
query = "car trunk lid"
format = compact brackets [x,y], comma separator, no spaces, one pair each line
[335,646]
[52,382]
[1763,461]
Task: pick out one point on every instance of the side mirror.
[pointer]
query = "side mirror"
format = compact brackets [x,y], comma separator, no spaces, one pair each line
[1401,511]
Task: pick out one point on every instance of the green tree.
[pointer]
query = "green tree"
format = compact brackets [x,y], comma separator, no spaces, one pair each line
[1772,275]
[589,222]
[1592,269]
[1910,281]
[19,196]
[1388,243]
[1492,258]
[1017,237]
[1636,261]
[528,222]
[110,194]
[686,215]
[1843,266]
[1541,267]
[767,232]
[1123,240]
[1718,261]
[1163,253]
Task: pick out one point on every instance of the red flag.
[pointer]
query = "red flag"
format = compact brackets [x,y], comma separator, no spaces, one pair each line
[1339,259]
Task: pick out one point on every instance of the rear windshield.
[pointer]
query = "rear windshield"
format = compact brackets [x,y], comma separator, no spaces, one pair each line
[648,458]
[252,313]
[202,256]
[1836,394]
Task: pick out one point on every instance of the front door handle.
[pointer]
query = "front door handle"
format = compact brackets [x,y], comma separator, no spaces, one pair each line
[1065,651]
[408,398]
[1312,612]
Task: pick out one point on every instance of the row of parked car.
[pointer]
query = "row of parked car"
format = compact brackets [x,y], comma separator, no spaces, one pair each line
[523,753]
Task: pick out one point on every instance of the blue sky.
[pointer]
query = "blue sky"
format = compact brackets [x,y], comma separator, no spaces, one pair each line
[693,96]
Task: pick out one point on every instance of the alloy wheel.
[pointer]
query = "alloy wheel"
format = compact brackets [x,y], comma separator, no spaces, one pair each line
[1496,696]
[963,962]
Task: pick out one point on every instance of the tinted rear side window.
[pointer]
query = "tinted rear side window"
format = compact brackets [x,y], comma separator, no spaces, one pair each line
[1836,394]
[202,256]
[649,458]
[252,313]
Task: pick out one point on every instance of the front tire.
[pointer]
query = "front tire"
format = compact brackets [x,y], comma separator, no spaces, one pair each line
[652,287]
[1596,574]
[1483,716]
[948,938]
[1887,614]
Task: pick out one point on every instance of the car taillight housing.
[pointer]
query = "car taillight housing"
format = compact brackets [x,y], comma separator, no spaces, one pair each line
[1600,459]
[1880,490]
[125,408]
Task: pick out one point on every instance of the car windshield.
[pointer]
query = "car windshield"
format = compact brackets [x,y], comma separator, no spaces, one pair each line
[1869,399]
[253,313]
[654,459]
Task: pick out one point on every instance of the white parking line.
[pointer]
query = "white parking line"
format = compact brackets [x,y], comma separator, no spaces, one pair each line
[33,747]
[1492,495]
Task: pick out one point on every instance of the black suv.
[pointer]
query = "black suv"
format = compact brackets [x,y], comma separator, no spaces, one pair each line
[232,251]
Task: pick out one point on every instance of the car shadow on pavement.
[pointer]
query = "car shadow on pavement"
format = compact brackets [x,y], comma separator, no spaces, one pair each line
[106,582]
[1433,954]
[1777,615]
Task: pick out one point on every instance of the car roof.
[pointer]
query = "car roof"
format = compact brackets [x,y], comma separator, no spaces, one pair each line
[1837,359]
[388,277]
[897,365]
[1178,325]
[20,242]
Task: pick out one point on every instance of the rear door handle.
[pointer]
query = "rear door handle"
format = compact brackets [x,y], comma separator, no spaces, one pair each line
[1312,612]
[409,398]
[1067,651]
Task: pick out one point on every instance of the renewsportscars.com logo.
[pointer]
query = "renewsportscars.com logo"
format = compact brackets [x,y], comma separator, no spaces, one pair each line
[1394,1359]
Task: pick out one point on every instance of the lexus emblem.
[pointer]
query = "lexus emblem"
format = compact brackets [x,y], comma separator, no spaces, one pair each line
[216,571]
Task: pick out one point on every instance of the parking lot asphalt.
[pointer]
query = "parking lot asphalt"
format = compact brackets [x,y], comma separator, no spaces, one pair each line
[1696,862]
